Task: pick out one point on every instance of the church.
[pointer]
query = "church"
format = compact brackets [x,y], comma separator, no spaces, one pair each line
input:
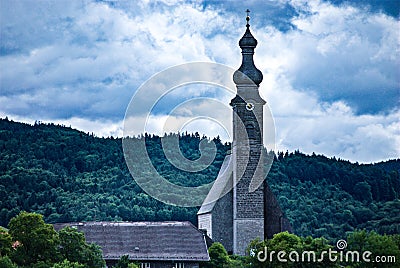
[240,206]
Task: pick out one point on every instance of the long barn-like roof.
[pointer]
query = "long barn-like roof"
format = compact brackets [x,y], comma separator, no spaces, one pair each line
[160,241]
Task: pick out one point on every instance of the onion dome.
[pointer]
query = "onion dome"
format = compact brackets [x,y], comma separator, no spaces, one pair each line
[247,70]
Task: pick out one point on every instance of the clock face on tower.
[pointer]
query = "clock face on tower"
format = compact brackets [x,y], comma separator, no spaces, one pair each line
[250,106]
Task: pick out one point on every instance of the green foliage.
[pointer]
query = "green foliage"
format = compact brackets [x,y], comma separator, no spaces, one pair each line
[71,251]
[318,245]
[6,262]
[330,197]
[35,243]
[67,175]
[236,262]
[308,249]
[218,256]
[72,244]
[285,241]
[125,263]
[378,245]
[5,242]
[74,248]
[93,256]
[396,239]
[68,264]
[359,241]
[36,240]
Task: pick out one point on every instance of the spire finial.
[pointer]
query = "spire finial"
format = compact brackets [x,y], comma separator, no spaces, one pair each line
[248,18]
[247,70]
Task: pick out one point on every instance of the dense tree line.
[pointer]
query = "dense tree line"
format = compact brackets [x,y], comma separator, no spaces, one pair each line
[329,197]
[67,175]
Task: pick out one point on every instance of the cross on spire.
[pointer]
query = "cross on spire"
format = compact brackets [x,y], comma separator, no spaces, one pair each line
[248,17]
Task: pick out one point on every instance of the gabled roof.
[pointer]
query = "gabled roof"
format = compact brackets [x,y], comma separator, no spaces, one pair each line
[222,185]
[165,241]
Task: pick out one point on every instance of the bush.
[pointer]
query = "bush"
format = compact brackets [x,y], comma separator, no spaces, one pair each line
[5,262]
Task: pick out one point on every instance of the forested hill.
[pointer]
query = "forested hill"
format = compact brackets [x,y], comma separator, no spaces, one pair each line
[68,175]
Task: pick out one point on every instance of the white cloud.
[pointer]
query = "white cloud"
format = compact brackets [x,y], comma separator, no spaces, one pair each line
[101,128]
[104,54]
[332,129]
[339,53]
[332,82]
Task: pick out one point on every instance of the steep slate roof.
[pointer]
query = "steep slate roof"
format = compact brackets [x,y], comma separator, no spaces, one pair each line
[221,186]
[161,241]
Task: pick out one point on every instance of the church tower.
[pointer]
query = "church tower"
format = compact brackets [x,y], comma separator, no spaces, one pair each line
[247,149]
[240,206]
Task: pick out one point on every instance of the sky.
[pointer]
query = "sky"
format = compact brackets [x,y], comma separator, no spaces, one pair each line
[331,68]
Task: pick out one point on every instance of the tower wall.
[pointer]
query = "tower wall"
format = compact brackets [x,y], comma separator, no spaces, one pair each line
[247,152]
